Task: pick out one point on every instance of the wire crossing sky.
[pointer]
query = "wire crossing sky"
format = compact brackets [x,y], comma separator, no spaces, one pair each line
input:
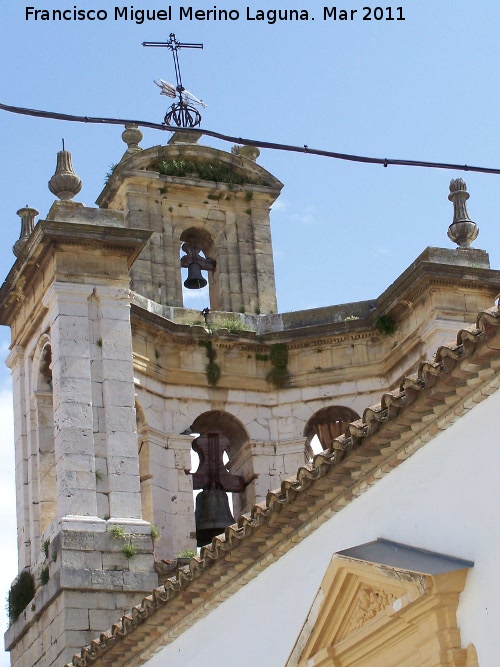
[250,142]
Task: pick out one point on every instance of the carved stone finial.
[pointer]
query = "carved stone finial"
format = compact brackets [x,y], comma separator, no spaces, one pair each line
[250,152]
[27,216]
[462,230]
[65,184]
[132,136]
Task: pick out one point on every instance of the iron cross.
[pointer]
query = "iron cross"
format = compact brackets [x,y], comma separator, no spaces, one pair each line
[174,45]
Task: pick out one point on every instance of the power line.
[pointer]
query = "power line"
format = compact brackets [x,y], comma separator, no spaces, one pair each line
[249,142]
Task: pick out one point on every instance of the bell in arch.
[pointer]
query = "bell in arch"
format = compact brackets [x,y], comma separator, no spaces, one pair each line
[195,263]
[212,514]
[195,280]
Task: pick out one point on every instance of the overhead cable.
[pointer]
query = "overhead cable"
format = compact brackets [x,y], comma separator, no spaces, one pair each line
[249,142]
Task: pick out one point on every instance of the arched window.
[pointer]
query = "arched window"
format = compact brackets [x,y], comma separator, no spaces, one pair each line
[326,425]
[198,268]
[220,437]
[42,406]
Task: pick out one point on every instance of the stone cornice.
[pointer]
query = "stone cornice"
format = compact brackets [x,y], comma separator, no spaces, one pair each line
[47,236]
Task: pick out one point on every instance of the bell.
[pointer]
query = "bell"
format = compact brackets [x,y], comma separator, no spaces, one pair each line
[212,515]
[194,280]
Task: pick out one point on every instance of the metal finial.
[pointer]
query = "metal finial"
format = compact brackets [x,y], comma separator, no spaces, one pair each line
[65,184]
[182,113]
[462,230]
[27,216]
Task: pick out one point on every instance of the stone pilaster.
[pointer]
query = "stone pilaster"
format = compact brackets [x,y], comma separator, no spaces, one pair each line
[15,361]
[167,489]
[73,418]
[114,388]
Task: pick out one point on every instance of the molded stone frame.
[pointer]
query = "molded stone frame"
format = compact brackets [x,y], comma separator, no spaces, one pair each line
[371,615]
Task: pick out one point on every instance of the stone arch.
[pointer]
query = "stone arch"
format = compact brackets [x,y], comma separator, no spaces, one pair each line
[145,474]
[218,433]
[327,424]
[202,241]
[42,421]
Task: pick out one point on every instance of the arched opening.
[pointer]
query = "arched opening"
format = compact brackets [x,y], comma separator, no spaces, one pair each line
[220,437]
[145,475]
[326,425]
[197,258]
[43,419]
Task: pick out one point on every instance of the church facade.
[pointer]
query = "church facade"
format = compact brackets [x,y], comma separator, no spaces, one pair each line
[116,382]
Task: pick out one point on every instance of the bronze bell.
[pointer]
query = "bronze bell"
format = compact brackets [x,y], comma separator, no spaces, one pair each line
[212,515]
[194,280]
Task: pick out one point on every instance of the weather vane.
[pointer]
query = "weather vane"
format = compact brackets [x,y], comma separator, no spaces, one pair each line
[182,113]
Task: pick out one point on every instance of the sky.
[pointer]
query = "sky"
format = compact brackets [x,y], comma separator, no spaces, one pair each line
[424,89]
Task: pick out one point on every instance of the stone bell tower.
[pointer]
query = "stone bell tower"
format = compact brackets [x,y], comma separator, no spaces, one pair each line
[98,458]
[205,201]
[116,383]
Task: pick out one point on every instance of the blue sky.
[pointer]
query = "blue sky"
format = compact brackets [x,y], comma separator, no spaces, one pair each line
[424,88]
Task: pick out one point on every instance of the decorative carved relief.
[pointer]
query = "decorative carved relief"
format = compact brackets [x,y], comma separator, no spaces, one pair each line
[369,603]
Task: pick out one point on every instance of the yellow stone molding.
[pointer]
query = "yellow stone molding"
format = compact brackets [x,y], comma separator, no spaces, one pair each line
[370,615]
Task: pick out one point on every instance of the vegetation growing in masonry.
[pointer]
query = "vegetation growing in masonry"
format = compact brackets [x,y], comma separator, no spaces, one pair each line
[261,357]
[155,532]
[234,325]
[278,375]
[45,548]
[129,551]
[110,172]
[386,325]
[215,171]
[117,532]
[186,553]
[212,368]
[44,576]
[20,594]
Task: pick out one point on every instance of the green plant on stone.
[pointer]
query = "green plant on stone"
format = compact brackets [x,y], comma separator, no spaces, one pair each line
[212,368]
[386,325]
[186,553]
[44,576]
[155,532]
[20,594]
[45,548]
[234,325]
[129,551]
[110,172]
[215,170]
[117,532]
[278,375]
[98,475]
[261,357]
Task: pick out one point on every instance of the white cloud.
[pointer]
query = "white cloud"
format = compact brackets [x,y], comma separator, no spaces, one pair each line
[279,205]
